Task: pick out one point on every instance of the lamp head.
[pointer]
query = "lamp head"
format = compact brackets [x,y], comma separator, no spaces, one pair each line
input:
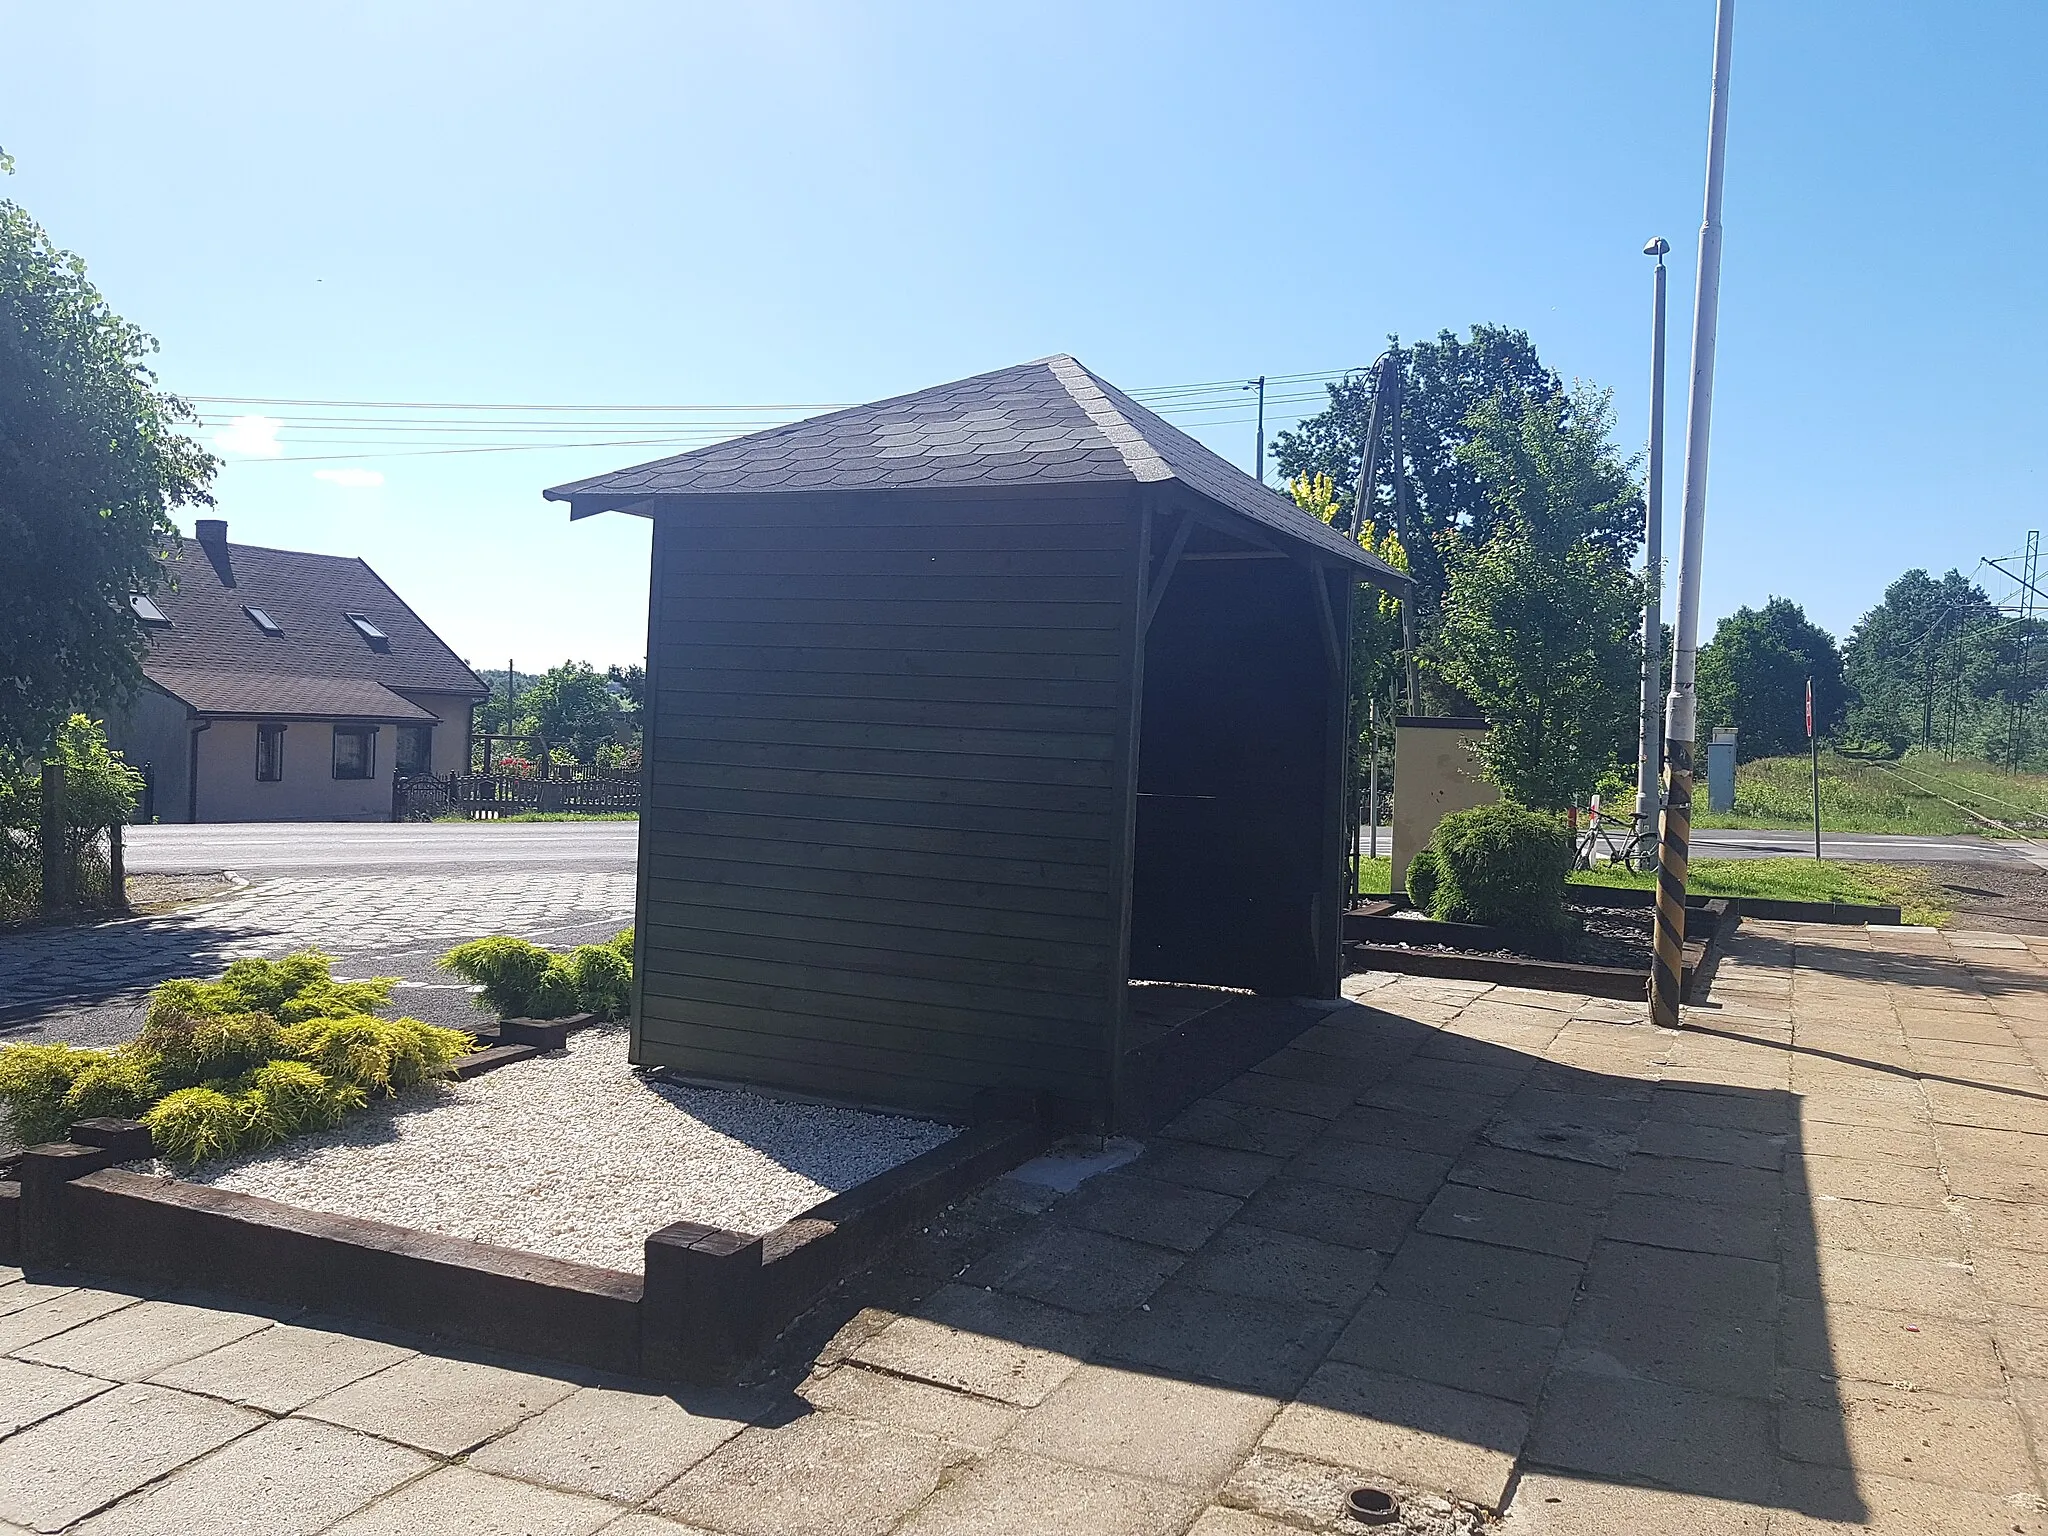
[1656,246]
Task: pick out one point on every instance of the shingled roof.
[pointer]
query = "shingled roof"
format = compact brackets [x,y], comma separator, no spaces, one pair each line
[309,597]
[256,695]
[1051,422]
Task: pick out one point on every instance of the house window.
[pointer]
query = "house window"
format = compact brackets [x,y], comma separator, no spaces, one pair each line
[355,752]
[262,620]
[148,611]
[379,641]
[269,753]
[415,749]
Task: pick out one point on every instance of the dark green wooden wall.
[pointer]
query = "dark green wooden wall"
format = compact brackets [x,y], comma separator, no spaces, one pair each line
[884,853]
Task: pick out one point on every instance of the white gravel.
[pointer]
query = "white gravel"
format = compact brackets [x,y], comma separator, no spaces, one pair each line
[575,1157]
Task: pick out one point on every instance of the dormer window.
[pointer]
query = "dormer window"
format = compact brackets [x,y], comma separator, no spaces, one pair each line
[379,641]
[147,611]
[262,620]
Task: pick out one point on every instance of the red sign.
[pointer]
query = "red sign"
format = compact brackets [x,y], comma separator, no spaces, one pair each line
[1809,708]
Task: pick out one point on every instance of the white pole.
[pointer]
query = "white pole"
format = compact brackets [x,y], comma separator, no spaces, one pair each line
[1650,739]
[1681,710]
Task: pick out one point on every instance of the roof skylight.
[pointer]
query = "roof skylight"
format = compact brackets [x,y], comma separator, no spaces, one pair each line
[262,620]
[148,611]
[370,632]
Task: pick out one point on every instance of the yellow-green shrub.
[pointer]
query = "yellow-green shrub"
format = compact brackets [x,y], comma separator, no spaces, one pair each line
[193,1124]
[296,1097]
[603,980]
[188,1048]
[377,1056]
[33,1082]
[508,970]
[120,1082]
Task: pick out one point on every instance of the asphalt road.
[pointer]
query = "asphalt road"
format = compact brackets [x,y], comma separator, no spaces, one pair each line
[255,850]
[1880,847]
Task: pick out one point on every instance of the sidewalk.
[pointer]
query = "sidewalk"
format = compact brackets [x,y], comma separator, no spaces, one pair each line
[1785,1272]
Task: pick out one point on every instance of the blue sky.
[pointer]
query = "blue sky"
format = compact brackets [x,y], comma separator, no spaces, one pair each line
[779,204]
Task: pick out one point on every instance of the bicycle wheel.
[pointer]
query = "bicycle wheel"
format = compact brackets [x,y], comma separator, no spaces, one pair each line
[1641,854]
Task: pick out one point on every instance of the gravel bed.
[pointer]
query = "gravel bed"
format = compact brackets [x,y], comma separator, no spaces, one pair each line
[574,1156]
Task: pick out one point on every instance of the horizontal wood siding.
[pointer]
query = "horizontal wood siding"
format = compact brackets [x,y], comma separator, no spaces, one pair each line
[884,796]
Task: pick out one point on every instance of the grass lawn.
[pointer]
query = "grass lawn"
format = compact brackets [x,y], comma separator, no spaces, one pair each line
[1912,889]
[1913,795]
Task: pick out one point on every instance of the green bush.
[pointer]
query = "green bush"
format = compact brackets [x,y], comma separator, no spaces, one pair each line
[1424,875]
[214,1071]
[521,980]
[1503,866]
[193,1124]
[604,981]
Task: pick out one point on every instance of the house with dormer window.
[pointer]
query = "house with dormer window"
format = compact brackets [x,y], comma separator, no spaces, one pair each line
[284,686]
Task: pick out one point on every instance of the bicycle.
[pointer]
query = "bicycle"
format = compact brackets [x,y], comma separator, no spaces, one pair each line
[1633,849]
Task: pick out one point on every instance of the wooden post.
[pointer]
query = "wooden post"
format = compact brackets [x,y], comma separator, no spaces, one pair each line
[117,870]
[56,893]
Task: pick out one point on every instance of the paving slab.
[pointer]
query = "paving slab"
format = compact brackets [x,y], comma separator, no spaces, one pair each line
[2022,1334]
[1697,1226]
[1511,1221]
[1275,1265]
[1684,1284]
[1322,1098]
[1330,1212]
[439,1403]
[2010,1276]
[1487,1355]
[1145,1425]
[1146,1210]
[66,1467]
[1075,1268]
[69,1307]
[1929,1437]
[1539,1178]
[1475,1277]
[1223,1170]
[1861,1344]
[291,1477]
[822,1474]
[1406,1129]
[615,1444]
[461,1499]
[993,1345]
[282,1368]
[1690,1178]
[1866,1226]
[1413,1432]
[1244,1127]
[900,1403]
[1011,1493]
[1828,1501]
[1400,1173]
[1675,1437]
[1555,1504]
[1712,1144]
[29,1393]
[1721,1352]
[1232,1341]
[138,1341]
[1890,1282]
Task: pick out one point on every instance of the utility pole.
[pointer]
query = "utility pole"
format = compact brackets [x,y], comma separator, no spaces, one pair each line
[1400,469]
[1650,745]
[1260,385]
[1681,713]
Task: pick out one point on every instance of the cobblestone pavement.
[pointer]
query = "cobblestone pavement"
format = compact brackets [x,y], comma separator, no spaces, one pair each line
[1779,1273]
[86,983]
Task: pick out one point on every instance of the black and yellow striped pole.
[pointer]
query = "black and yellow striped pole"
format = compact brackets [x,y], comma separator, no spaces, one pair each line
[1681,714]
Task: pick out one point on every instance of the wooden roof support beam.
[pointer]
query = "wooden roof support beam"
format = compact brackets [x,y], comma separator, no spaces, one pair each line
[1157,583]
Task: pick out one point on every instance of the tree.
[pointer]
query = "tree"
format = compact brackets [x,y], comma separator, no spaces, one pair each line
[1753,675]
[572,706]
[1540,617]
[100,789]
[632,682]
[1922,662]
[1442,383]
[90,468]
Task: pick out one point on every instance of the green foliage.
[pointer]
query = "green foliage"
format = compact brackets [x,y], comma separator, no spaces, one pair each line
[507,969]
[100,789]
[1544,643]
[622,941]
[197,1123]
[1425,874]
[236,1078]
[121,1083]
[34,1079]
[92,468]
[1502,865]
[1753,674]
[604,980]
[296,1097]
[1937,664]
[377,1056]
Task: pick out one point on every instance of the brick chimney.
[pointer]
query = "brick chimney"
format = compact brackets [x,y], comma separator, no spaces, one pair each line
[211,530]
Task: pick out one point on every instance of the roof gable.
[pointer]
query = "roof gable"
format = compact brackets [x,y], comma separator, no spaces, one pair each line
[308,597]
[1050,422]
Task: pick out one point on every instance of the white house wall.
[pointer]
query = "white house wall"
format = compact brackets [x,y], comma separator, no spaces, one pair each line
[151,734]
[229,791]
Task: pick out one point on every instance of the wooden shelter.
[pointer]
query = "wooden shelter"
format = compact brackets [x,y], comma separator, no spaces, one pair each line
[965,711]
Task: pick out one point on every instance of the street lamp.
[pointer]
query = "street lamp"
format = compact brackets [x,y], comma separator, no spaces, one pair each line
[1650,743]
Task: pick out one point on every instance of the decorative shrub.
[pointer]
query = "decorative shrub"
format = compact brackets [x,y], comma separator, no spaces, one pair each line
[1424,874]
[1501,865]
[194,1124]
[214,1071]
[520,980]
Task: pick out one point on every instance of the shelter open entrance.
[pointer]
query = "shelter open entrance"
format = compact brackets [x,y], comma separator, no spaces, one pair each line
[968,710]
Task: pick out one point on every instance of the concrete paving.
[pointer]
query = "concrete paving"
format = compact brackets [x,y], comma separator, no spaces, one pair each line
[1537,1264]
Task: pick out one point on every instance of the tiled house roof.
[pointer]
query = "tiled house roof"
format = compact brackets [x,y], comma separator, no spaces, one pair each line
[292,698]
[1051,422]
[308,598]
